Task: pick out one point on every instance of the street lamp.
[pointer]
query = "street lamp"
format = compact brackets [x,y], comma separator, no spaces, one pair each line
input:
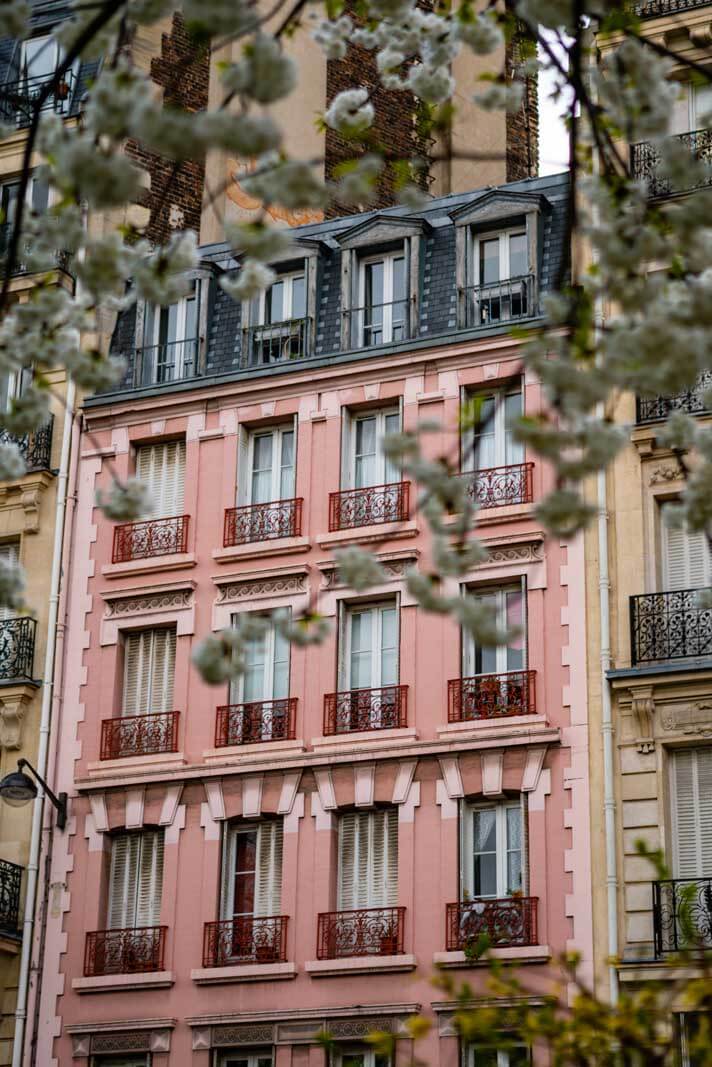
[17,789]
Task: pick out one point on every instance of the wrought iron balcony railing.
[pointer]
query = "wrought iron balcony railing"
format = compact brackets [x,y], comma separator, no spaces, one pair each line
[10,885]
[154,537]
[691,401]
[130,951]
[139,735]
[263,522]
[645,161]
[506,922]
[378,324]
[17,648]
[20,98]
[245,939]
[682,915]
[370,506]
[255,721]
[495,487]
[511,298]
[365,932]
[366,709]
[491,696]
[36,447]
[651,8]
[276,342]
[171,361]
[666,626]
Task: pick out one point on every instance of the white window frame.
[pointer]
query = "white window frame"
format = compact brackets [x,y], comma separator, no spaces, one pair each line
[666,532]
[237,688]
[245,493]
[229,854]
[10,553]
[388,259]
[499,396]
[371,1058]
[468,644]
[166,480]
[153,342]
[383,475]
[691,103]
[377,606]
[288,281]
[467,835]
[702,831]
[155,900]
[372,893]
[131,1060]
[503,1055]
[161,701]
[503,236]
[247,1058]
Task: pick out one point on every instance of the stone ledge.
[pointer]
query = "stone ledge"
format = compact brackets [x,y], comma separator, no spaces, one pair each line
[174,561]
[278,546]
[247,972]
[236,753]
[360,965]
[111,766]
[520,953]
[120,983]
[387,738]
[359,535]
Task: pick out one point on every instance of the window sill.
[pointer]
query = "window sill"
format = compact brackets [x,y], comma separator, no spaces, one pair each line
[238,753]
[118,983]
[483,729]
[278,546]
[162,759]
[360,965]
[520,953]
[368,737]
[246,972]
[9,945]
[173,562]
[358,535]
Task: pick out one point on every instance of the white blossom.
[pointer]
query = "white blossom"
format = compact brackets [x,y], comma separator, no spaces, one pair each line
[12,462]
[501,96]
[252,279]
[12,585]
[244,135]
[27,411]
[265,73]
[161,278]
[290,183]
[125,502]
[357,181]
[333,37]
[350,112]
[434,86]
[259,240]
[480,33]
[358,569]
[14,17]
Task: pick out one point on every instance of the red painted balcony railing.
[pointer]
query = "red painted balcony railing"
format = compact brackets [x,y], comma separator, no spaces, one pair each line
[496,487]
[130,951]
[139,735]
[263,522]
[258,720]
[507,921]
[366,709]
[245,939]
[155,537]
[370,506]
[366,932]
[491,696]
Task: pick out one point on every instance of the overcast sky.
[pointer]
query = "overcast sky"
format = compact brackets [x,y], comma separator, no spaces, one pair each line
[553,138]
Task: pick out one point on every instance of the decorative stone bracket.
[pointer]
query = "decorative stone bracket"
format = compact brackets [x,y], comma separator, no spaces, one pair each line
[643,707]
[13,703]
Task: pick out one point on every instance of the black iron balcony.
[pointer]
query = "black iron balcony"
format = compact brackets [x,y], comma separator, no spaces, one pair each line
[682,915]
[505,922]
[169,362]
[487,305]
[364,932]
[22,261]
[19,99]
[276,342]
[377,324]
[36,447]
[135,950]
[245,939]
[645,161]
[370,506]
[10,884]
[667,626]
[651,8]
[17,648]
[495,487]
[691,401]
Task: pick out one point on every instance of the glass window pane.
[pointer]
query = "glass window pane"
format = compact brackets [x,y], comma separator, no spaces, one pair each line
[373,288]
[485,830]
[513,450]
[299,301]
[274,303]
[484,882]
[262,469]
[518,264]
[399,291]
[286,478]
[40,58]
[485,1057]
[484,434]
[254,677]
[190,329]
[391,471]
[365,453]
[353,1059]
[515,619]
[489,261]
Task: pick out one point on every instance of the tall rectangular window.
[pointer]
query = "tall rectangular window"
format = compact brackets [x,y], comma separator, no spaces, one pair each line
[149,668]
[368,860]
[270,466]
[367,464]
[501,270]
[252,870]
[284,300]
[10,554]
[686,558]
[383,300]
[162,469]
[266,674]
[135,880]
[489,441]
[171,338]
[244,1058]
[691,772]
[508,604]
[494,859]
[371,641]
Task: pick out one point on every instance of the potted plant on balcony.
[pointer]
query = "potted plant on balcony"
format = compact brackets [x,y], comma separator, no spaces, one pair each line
[266,953]
[389,944]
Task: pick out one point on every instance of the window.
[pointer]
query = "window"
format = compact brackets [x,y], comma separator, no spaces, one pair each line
[493,849]
[171,339]
[149,668]
[252,870]
[686,561]
[691,108]
[692,812]
[508,604]
[490,442]
[36,196]
[9,553]
[266,674]
[135,880]
[121,1061]
[359,1057]
[162,469]
[382,314]
[371,643]
[501,271]
[271,465]
[284,300]
[488,1056]
[238,1058]
[281,315]
[368,860]
[692,1029]
[366,464]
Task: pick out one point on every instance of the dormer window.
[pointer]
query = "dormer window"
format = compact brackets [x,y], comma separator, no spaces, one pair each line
[382,314]
[281,315]
[502,288]
[35,63]
[170,348]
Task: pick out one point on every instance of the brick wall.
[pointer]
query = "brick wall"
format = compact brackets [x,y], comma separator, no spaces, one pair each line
[522,154]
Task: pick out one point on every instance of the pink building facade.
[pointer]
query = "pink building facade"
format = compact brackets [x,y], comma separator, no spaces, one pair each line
[245,867]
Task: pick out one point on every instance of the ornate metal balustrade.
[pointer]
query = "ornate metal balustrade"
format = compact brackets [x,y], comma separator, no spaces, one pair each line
[139,735]
[263,522]
[495,487]
[507,921]
[682,914]
[245,939]
[378,324]
[17,647]
[492,696]
[691,401]
[129,951]
[36,447]
[171,361]
[512,298]
[23,261]
[366,709]
[276,342]
[366,932]
[19,99]
[10,885]
[370,506]
[651,8]
[154,537]
[665,626]
[645,161]
[255,721]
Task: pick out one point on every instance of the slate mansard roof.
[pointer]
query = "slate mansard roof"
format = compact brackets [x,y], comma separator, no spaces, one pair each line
[437,316]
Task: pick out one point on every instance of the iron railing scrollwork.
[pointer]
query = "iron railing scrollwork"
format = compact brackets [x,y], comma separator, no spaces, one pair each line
[10,885]
[171,361]
[17,647]
[26,259]
[276,342]
[36,447]
[139,735]
[153,537]
[682,915]
[692,401]
[378,324]
[20,98]
[667,626]
[127,951]
[255,721]
[363,932]
[648,9]
[492,696]
[505,922]
[369,506]
[245,939]
[384,708]
[262,522]
[496,487]
[645,161]
[487,305]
